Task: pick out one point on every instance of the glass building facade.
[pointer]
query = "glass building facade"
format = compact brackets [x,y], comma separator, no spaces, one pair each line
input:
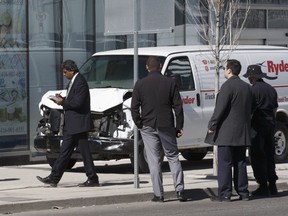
[37,35]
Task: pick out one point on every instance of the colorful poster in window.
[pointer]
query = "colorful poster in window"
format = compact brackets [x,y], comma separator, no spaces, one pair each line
[13,94]
[12,24]
[13,70]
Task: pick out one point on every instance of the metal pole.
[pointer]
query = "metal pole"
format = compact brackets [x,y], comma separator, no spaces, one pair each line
[217,51]
[230,19]
[136,148]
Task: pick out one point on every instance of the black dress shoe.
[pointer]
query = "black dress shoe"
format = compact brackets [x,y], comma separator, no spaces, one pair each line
[181,196]
[244,198]
[158,199]
[89,183]
[47,180]
[261,191]
[273,189]
[220,199]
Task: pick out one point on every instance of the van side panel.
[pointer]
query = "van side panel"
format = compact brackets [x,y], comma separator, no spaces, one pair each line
[275,64]
[199,109]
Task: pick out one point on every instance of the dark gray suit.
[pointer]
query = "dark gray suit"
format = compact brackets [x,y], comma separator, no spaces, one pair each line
[77,122]
[232,114]
[157,96]
[231,125]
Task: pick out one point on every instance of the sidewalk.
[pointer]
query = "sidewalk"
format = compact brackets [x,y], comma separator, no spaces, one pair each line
[21,191]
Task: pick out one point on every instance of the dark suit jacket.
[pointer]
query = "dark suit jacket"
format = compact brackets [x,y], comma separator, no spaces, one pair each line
[231,118]
[265,102]
[157,95]
[77,108]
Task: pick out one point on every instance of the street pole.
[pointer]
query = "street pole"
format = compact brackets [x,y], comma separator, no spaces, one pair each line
[135,31]
[136,147]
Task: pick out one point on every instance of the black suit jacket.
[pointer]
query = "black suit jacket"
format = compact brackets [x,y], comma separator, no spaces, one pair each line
[157,96]
[231,118]
[77,117]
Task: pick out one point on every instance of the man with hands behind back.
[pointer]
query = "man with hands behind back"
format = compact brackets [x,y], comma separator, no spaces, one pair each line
[153,100]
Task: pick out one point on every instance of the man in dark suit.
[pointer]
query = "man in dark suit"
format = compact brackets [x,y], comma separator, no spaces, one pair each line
[77,124]
[230,125]
[156,96]
[263,124]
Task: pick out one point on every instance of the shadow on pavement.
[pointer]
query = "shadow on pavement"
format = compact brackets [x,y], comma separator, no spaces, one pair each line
[127,168]
[191,165]
[191,195]
[117,168]
[10,179]
[121,183]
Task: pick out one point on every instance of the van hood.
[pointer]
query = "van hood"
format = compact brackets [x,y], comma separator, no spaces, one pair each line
[101,99]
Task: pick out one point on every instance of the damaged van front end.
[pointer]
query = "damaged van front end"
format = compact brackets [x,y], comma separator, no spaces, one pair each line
[112,137]
[110,79]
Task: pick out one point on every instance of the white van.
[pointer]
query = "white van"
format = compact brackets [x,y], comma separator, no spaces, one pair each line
[110,77]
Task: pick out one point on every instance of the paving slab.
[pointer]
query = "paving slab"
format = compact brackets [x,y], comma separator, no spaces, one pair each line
[21,191]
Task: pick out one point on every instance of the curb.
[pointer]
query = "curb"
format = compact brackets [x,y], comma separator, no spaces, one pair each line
[79,202]
[192,195]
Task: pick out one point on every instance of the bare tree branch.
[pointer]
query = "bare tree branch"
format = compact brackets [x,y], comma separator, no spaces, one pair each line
[218,24]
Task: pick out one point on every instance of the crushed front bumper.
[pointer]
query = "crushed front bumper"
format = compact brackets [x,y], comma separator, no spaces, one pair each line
[100,147]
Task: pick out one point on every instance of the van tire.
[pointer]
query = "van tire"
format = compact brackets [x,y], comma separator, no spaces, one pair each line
[70,165]
[143,165]
[192,155]
[281,136]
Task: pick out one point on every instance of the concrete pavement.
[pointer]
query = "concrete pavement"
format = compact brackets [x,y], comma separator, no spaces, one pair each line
[21,191]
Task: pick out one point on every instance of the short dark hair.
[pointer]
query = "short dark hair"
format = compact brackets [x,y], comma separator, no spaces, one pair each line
[69,65]
[234,65]
[153,63]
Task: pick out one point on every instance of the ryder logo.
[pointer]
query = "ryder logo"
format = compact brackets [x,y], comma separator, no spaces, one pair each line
[188,100]
[277,68]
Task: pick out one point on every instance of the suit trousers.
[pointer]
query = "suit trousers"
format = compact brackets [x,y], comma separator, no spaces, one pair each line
[232,157]
[262,155]
[66,150]
[155,142]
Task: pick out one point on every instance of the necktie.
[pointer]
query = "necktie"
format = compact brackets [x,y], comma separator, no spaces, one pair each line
[69,87]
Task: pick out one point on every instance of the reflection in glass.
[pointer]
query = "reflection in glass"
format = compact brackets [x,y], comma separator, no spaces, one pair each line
[255,18]
[13,76]
[277,18]
[113,71]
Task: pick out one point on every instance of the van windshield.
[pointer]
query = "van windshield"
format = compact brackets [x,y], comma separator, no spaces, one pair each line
[114,71]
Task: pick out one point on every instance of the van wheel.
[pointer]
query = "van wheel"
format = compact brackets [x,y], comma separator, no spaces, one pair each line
[192,155]
[280,137]
[70,165]
[143,165]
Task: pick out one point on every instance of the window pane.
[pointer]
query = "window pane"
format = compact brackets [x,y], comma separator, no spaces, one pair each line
[255,19]
[44,55]
[277,19]
[266,1]
[113,71]
[180,70]
[74,27]
[13,74]
[179,13]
